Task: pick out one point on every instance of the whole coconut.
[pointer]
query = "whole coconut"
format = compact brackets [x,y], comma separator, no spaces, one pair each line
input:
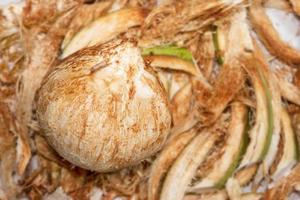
[102,110]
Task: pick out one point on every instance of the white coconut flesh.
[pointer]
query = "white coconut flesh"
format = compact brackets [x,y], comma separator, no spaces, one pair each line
[102,110]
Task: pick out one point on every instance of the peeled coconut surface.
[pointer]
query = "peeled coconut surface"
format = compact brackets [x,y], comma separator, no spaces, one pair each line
[102,109]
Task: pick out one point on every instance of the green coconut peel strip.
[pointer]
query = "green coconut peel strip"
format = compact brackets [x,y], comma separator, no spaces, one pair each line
[261,133]
[270,116]
[217,46]
[234,149]
[243,147]
[169,50]
[262,142]
[274,111]
[173,58]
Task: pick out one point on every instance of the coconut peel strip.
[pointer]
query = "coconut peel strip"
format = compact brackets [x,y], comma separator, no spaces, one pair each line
[165,160]
[261,133]
[184,168]
[296,6]
[289,155]
[270,37]
[224,167]
[273,97]
[288,90]
[113,23]
[85,14]
[278,4]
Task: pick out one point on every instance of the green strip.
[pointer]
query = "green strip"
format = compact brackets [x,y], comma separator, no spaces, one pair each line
[270,115]
[169,50]
[242,150]
[218,53]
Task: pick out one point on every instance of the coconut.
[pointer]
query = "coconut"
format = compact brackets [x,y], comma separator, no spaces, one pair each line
[102,110]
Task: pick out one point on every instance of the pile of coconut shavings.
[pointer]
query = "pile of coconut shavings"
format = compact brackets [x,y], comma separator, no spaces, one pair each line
[46,174]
